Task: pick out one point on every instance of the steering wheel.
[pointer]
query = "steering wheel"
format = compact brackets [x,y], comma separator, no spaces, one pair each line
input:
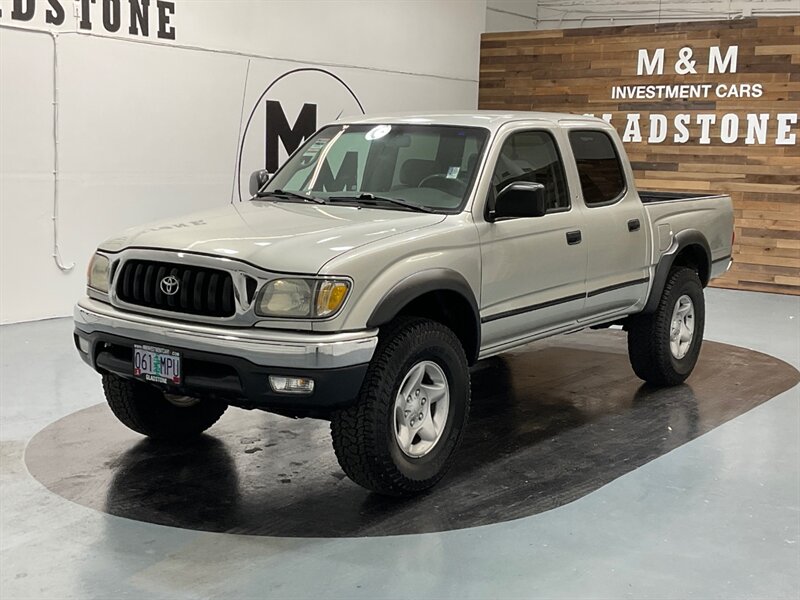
[454,187]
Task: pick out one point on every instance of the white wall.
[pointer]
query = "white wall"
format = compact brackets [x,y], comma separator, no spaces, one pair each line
[521,15]
[150,128]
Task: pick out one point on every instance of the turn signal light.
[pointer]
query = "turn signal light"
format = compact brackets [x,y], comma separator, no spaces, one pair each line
[330,296]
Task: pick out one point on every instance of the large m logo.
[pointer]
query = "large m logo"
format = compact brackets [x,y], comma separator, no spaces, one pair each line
[291,136]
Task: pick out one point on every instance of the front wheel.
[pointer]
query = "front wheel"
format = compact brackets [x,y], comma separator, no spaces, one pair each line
[663,346]
[400,436]
[147,410]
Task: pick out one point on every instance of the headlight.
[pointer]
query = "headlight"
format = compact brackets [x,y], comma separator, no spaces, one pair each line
[302,298]
[286,298]
[99,270]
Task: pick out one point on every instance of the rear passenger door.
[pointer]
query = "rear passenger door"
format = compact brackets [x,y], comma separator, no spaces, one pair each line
[614,228]
[533,269]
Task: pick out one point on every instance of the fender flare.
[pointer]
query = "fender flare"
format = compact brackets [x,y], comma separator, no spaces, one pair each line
[682,239]
[412,287]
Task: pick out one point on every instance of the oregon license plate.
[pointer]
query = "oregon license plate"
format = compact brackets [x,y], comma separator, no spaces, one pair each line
[160,365]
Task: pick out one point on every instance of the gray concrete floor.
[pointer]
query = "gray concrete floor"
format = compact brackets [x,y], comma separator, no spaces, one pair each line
[718,517]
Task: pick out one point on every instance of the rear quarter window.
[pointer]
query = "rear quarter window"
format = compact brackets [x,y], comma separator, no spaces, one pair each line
[599,167]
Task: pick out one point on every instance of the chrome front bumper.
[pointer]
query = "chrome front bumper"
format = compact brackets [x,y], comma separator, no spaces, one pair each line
[272,348]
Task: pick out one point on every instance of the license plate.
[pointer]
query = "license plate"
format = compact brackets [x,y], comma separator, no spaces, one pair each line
[160,365]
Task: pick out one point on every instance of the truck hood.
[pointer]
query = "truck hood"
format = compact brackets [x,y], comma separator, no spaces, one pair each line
[277,236]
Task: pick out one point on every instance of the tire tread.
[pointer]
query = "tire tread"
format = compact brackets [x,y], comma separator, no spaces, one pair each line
[649,355]
[354,440]
[143,409]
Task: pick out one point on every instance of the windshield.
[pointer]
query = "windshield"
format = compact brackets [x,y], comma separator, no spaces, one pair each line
[427,166]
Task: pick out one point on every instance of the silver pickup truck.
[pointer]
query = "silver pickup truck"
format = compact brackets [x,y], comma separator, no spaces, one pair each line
[386,256]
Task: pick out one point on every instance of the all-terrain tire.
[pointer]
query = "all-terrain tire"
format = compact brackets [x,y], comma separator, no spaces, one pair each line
[363,434]
[649,335]
[144,409]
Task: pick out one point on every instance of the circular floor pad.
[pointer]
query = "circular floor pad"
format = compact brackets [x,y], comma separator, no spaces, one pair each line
[549,424]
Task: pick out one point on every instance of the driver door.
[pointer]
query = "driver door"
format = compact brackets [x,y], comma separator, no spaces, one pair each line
[533,269]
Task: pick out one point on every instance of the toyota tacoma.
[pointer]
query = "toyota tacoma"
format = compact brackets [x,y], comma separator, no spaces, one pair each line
[386,256]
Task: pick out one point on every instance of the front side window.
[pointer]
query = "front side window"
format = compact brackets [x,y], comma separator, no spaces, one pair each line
[533,156]
[428,166]
[599,168]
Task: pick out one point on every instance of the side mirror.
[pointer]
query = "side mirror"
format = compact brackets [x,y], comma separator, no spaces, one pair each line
[520,199]
[258,179]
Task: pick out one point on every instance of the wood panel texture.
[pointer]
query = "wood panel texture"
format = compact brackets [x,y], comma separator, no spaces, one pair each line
[577,70]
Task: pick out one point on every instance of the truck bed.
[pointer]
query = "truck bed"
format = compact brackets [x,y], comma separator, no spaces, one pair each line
[649,197]
[709,214]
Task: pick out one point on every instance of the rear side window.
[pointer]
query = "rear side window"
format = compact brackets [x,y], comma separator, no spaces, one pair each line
[533,156]
[599,167]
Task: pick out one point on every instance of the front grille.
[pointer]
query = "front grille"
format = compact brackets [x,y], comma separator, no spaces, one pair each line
[201,291]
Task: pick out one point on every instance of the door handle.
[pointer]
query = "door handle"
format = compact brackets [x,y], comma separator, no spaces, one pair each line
[634,225]
[573,237]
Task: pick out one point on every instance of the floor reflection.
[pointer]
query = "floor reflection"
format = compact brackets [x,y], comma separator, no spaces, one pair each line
[155,480]
[548,426]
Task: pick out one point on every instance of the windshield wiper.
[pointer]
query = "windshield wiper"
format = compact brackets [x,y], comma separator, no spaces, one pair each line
[372,198]
[288,194]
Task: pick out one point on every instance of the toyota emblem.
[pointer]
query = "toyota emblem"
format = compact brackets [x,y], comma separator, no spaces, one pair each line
[170,285]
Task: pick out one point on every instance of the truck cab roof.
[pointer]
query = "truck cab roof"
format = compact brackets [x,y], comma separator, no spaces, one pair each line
[488,119]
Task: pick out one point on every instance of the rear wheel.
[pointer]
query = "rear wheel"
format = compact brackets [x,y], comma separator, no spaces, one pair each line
[399,438]
[147,410]
[663,346]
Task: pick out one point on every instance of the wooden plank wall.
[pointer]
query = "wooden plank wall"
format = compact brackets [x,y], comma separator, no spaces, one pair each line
[575,70]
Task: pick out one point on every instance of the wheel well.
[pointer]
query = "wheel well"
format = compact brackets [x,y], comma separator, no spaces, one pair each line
[452,310]
[694,257]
